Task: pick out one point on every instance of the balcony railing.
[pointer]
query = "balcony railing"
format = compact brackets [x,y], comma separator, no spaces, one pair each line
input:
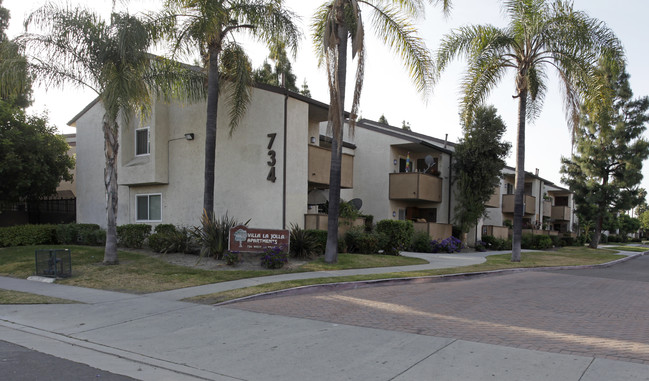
[547,208]
[494,201]
[415,186]
[508,204]
[320,167]
[561,213]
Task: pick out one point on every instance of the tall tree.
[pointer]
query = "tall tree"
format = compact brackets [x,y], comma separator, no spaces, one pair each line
[212,27]
[305,89]
[33,157]
[541,35]
[336,24]
[479,160]
[15,80]
[77,47]
[606,170]
[282,72]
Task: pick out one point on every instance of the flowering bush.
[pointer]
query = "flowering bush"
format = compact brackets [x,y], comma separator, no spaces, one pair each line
[274,258]
[448,245]
[231,258]
[481,246]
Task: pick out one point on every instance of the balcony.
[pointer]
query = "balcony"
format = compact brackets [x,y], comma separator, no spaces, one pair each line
[415,187]
[494,201]
[434,230]
[320,167]
[560,213]
[508,204]
[547,208]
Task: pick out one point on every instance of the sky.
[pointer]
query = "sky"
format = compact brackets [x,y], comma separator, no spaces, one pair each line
[387,88]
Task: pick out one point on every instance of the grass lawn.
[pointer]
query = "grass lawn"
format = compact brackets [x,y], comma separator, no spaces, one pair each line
[139,273]
[568,256]
[635,249]
[17,297]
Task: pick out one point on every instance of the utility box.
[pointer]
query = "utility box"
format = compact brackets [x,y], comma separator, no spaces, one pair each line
[53,263]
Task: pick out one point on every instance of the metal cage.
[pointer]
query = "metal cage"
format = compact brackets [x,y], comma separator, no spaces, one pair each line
[54,263]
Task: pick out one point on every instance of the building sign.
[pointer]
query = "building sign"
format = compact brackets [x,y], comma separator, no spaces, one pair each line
[243,238]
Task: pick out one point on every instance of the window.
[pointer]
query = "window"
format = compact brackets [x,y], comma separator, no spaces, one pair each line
[142,141]
[148,207]
[510,188]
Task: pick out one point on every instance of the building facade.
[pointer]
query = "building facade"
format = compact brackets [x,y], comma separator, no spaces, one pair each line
[274,169]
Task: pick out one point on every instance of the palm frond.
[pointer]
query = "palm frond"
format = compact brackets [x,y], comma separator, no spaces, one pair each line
[395,29]
[237,72]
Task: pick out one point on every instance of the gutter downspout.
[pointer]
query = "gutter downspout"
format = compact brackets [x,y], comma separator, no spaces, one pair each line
[450,181]
[284,160]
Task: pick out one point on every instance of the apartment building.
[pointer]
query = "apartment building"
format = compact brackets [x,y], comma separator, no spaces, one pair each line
[274,170]
[548,209]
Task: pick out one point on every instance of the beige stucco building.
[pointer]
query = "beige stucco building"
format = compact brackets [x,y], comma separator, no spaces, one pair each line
[273,169]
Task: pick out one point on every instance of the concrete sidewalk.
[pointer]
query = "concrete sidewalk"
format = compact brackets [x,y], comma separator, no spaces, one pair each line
[157,337]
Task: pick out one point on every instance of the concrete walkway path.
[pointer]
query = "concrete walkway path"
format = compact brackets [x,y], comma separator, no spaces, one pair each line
[157,337]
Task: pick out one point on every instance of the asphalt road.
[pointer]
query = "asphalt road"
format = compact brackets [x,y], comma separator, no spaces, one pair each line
[19,363]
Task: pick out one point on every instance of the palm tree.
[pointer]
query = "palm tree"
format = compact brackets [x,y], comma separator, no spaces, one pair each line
[336,22]
[211,26]
[15,82]
[541,35]
[78,47]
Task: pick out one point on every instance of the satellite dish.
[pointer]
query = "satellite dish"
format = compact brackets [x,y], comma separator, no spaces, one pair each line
[356,203]
[317,197]
[430,161]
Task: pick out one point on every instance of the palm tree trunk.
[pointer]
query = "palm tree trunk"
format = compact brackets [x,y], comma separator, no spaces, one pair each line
[210,130]
[331,251]
[111,135]
[519,186]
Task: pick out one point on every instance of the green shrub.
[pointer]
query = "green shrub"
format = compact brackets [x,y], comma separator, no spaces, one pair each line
[231,258]
[304,244]
[132,235]
[274,257]
[493,243]
[92,237]
[603,238]
[165,228]
[527,241]
[171,241]
[360,241]
[398,235]
[541,242]
[421,242]
[81,234]
[369,222]
[614,238]
[556,241]
[214,233]
[23,235]
[320,238]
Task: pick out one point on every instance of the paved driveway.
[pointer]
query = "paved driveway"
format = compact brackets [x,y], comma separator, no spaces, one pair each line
[602,312]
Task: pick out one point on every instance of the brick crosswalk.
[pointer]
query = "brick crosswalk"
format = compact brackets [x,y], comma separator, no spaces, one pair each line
[552,312]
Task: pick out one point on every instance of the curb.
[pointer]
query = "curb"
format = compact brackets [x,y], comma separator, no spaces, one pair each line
[301,290]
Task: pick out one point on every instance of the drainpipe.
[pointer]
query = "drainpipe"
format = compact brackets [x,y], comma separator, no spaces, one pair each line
[284,158]
[450,180]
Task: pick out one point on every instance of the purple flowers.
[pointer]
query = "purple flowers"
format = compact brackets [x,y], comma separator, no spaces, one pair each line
[448,245]
[274,257]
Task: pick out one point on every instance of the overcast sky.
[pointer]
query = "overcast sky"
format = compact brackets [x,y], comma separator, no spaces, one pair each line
[388,90]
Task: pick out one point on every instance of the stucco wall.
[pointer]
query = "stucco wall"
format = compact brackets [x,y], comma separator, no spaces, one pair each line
[91,193]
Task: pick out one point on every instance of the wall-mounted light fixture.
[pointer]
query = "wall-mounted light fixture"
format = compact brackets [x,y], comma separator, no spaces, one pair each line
[189,136]
[313,140]
[395,162]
